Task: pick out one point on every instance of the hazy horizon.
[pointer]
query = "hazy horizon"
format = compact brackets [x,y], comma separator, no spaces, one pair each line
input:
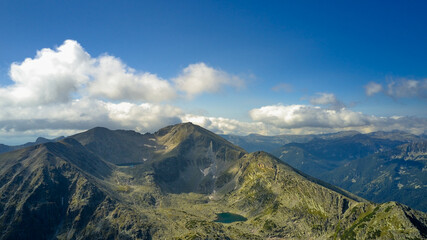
[34,139]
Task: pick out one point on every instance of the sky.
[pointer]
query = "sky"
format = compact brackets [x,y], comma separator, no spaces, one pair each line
[233,67]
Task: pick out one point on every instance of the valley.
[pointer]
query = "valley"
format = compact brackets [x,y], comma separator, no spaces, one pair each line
[111,185]
[379,166]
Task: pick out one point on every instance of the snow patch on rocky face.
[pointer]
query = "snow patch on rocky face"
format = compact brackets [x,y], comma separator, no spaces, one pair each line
[206,170]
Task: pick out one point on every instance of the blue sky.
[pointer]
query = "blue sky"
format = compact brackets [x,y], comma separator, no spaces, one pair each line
[357,65]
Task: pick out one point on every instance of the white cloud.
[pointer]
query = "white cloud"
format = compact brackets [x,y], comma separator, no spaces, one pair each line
[64,90]
[305,123]
[221,125]
[401,88]
[297,116]
[407,88]
[61,74]
[327,99]
[199,78]
[143,117]
[51,77]
[373,88]
[58,75]
[323,99]
[87,113]
[312,119]
[114,80]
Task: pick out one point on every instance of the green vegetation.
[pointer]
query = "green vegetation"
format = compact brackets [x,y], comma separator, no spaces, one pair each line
[361,223]
[269,225]
[193,185]
[124,189]
[379,166]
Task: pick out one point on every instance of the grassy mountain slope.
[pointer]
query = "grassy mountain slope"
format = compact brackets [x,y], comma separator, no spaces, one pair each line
[73,190]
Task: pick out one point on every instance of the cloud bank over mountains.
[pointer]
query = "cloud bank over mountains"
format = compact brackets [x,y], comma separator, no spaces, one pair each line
[329,120]
[65,90]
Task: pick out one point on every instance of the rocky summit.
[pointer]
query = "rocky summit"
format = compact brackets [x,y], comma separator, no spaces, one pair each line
[181,182]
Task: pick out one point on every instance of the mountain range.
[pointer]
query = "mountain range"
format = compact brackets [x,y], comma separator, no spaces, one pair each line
[6,148]
[179,183]
[379,166]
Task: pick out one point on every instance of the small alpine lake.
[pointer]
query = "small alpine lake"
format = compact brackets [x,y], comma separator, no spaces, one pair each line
[227,217]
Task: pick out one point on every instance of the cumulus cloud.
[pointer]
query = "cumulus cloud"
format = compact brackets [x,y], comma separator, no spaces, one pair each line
[114,80]
[310,118]
[328,99]
[51,77]
[297,116]
[56,76]
[373,88]
[199,78]
[227,126]
[86,113]
[143,117]
[64,90]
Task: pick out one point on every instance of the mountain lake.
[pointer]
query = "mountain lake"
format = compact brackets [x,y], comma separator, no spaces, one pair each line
[227,217]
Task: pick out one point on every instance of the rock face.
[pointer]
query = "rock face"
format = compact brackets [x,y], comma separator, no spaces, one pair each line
[104,184]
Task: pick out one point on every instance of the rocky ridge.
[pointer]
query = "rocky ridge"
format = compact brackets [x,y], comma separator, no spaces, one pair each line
[90,186]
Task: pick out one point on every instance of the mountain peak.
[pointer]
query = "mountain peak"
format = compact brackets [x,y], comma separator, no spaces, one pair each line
[173,135]
[42,140]
[180,127]
[95,199]
[99,130]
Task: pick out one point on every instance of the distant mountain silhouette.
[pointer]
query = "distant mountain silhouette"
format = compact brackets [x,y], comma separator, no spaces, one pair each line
[6,148]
